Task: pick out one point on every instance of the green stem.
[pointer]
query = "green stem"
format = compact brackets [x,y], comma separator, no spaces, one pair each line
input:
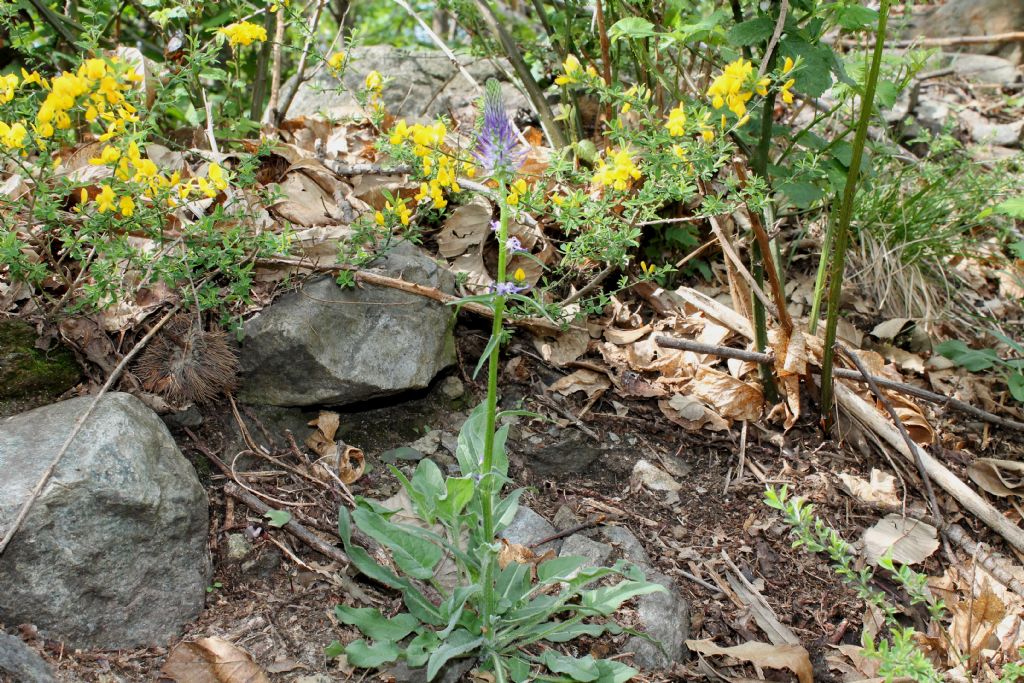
[487,463]
[845,214]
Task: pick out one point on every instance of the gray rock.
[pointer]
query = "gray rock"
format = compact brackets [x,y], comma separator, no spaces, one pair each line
[579,545]
[527,528]
[21,662]
[452,387]
[985,131]
[666,618]
[985,68]
[452,672]
[238,548]
[424,84]
[428,443]
[571,453]
[113,552]
[565,518]
[972,18]
[315,678]
[324,345]
[628,545]
[932,114]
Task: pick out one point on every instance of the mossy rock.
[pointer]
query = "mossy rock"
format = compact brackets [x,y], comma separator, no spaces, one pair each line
[30,377]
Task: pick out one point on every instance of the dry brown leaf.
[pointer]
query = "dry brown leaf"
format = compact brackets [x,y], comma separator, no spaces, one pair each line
[880,488]
[975,620]
[514,552]
[467,227]
[587,381]
[909,541]
[691,414]
[351,464]
[732,398]
[321,441]
[307,203]
[617,336]
[999,477]
[564,347]
[792,657]
[211,660]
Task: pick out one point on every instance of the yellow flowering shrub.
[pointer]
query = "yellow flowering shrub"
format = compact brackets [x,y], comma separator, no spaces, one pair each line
[243,33]
[617,171]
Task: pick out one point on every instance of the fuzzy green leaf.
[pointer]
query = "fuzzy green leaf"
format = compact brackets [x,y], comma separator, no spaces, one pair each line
[365,656]
[458,644]
[578,668]
[375,625]
[607,600]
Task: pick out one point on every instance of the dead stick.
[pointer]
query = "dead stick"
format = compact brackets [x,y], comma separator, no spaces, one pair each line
[933,503]
[845,373]
[412,288]
[79,423]
[594,521]
[995,38]
[293,527]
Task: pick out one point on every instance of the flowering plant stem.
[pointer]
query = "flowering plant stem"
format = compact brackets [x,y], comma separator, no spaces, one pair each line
[492,402]
[842,233]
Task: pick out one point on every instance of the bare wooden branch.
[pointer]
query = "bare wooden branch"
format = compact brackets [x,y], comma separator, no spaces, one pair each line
[946,41]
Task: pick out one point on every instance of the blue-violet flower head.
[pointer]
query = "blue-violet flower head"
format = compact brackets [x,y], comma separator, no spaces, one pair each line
[497,147]
[512,245]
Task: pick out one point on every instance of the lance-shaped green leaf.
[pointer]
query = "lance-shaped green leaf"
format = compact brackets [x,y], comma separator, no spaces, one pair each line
[375,625]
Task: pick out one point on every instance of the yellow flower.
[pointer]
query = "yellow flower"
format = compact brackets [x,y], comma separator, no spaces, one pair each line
[335,61]
[626,107]
[571,67]
[400,132]
[34,77]
[379,218]
[735,86]
[94,69]
[374,81]
[243,33]
[519,275]
[216,174]
[108,156]
[619,173]
[787,96]
[127,205]
[787,66]
[105,199]
[7,85]
[13,136]
[677,121]
[278,4]
[517,190]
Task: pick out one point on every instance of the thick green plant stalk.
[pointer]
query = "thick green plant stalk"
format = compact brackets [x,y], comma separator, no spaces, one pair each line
[842,228]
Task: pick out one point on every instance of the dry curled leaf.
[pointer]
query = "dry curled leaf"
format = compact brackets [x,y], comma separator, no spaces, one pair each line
[999,477]
[589,382]
[792,657]
[514,552]
[732,398]
[880,488]
[909,541]
[211,660]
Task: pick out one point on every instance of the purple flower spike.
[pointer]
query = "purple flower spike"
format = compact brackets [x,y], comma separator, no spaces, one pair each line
[507,288]
[497,148]
[512,245]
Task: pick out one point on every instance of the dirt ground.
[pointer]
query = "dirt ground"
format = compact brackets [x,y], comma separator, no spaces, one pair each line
[277,602]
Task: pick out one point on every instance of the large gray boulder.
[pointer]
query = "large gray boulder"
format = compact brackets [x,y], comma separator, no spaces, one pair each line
[113,553]
[327,345]
[423,84]
[973,18]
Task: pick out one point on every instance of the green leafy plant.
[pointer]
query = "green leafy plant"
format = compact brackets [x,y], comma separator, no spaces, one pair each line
[900,656]
[977,360]
[495,612]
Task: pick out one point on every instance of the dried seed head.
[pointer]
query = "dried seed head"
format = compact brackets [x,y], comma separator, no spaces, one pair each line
[186,363]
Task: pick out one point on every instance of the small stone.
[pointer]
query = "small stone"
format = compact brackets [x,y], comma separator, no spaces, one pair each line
[238,547]
[631,548]
[315,678]
[565,518]
[449,442]
[190,417]
[985,68]
[406,453]
[452,388]
[985,131]
[579,545]
[613,437]
[429,443]
[527,528]
[666,618]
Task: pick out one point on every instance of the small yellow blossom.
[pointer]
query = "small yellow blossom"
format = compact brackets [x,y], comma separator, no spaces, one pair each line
[13,136]
[787,66]
[218,177]
[109,155]
[519,275]
[677,121]
[736,85]
[379,218]
[278,4]
[7,85]
[619,173]
[787,95]
[335,62]
[34,77]
[243,33]
[105,199]
[518,189]
[571,66]
[127,206]
[374,81]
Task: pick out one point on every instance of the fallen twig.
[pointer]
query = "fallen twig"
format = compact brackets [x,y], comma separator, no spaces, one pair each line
[948,41]
[845,373]
[593,521]
[921,469]
[79,423]
[372,278]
